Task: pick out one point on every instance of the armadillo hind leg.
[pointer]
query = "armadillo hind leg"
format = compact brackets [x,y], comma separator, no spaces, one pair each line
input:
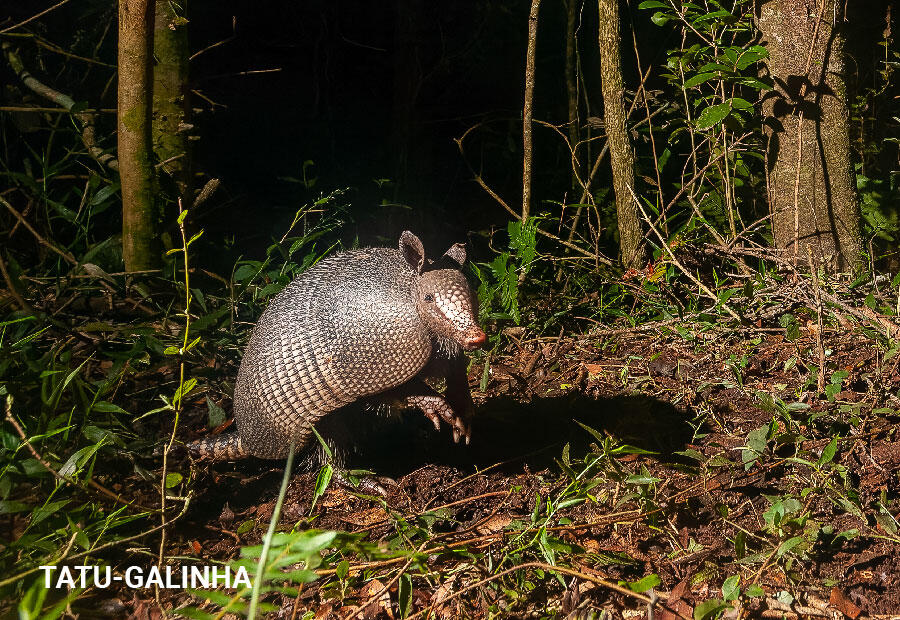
[226,447]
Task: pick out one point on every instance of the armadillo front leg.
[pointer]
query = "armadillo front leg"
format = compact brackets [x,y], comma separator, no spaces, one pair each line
[458,393]
[436,408]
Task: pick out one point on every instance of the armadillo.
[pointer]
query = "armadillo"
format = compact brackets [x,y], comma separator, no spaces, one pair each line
[372,322]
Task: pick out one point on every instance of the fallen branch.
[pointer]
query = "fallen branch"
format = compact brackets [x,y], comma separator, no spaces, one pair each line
[86,119]
[40,238]
[34,17]
[864,314]
[558,569]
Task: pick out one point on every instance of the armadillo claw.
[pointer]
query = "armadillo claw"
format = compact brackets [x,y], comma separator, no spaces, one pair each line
[436,409]
[435,419]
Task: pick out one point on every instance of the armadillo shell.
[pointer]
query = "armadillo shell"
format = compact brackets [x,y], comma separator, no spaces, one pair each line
[345,329]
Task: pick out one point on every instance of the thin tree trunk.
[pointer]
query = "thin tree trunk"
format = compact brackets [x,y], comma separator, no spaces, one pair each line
[813,198]
[139,246]
[527,146]
[621,153]
[171,107]
[404,124]
[572,85]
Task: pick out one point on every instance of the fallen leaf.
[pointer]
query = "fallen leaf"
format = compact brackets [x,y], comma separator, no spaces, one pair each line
[375,603]
[494,524]
[364,518]
[844,604]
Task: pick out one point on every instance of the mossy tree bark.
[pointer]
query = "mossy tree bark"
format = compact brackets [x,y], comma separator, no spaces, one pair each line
[139,231]
[812,196]
[621,153]
[171,109]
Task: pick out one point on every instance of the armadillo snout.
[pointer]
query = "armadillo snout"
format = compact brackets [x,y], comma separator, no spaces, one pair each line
[473,339]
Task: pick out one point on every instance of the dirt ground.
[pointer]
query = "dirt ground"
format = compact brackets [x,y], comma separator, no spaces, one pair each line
[691,400]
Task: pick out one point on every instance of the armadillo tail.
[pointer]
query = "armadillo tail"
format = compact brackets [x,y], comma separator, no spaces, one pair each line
[225,447]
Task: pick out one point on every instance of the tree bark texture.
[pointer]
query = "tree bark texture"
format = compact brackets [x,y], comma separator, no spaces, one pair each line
[139,234]
[621,153]
[812,198]
[527,109]
[171,109]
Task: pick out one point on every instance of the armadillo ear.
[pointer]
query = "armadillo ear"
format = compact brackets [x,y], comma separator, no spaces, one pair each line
[457,253]
[412,251]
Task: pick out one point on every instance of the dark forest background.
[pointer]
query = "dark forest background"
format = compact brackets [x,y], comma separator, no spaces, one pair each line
[771,345]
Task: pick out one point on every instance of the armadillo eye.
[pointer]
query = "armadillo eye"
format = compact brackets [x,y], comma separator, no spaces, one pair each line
[429,297]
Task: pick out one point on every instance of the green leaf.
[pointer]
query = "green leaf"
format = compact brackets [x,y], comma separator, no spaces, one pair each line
[650,581]
[753,590]
[828,453]
[641,479]
[730,589]
[105,407]
[78,459]
[837,378]
[194,238]
[322,481]
[756,445]
[404,594]
[246,526]
[748,58]
[715,67]
[343,569]
[184,389]
[104,193]
[173,479]
[47,510]
[653,4]
[216,415]
[698,79]
[712,115]
[660,19]
[755,83]
[716,15]
[787,545]
[709,609]
[245,272]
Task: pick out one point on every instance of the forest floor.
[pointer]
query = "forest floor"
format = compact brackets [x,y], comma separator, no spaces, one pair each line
[751,492]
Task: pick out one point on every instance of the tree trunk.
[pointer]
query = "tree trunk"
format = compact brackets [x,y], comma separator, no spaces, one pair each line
[171,109]
[621,153]
[812,196]
[412,155]
[572,86]
[139,247]
[528,109]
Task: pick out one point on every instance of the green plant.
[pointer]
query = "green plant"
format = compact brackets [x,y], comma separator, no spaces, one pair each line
[499,280]
[716,70]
